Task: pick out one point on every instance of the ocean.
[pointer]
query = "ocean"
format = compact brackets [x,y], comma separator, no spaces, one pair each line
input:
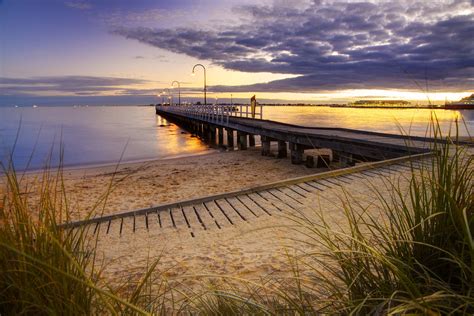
[97,135]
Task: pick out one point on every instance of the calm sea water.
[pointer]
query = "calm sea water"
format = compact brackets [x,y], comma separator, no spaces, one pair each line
[97,135]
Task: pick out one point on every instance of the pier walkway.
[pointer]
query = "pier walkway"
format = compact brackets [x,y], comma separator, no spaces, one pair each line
[349,145]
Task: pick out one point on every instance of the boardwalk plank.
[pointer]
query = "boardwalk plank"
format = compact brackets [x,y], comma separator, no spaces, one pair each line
[291,195]
[232,213]
[247,213]
[192,222]
[221,217]
[248,202]
[209,219]
[114,228]
[127,226]
[266,204]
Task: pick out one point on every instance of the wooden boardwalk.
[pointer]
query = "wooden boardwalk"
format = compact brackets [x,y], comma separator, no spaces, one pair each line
[218,212]
[361,144]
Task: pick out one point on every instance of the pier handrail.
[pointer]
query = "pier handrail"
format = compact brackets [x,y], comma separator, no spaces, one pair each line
[218,113]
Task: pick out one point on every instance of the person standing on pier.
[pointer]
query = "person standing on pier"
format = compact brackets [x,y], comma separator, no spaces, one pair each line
[253,105]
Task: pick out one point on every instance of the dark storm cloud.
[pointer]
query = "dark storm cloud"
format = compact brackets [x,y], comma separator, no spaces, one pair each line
[79,85]
[337,45]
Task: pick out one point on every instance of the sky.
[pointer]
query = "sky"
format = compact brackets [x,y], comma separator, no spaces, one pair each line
[128,52]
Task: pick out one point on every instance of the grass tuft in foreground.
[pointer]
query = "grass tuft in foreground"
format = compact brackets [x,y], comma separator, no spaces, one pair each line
[46,269]
[410,253]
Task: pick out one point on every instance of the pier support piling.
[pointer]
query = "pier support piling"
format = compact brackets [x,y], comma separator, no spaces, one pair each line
[297,151]
[242,140]
[230,139]
[345,159]
[266,143]
[282,151]
[220,135]
[251,140]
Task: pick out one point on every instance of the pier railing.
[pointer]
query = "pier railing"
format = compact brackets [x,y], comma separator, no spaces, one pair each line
[218,113]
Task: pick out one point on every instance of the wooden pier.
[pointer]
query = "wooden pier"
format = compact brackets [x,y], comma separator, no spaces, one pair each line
[222,124]
[383,154]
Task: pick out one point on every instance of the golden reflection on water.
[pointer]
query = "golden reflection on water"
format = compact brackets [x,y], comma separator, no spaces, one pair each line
[176,141]
[395,121]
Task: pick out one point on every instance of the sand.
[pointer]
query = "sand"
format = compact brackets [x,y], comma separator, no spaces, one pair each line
[253,250]
[144,184]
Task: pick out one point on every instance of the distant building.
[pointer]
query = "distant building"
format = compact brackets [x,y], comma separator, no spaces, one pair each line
[381,103]
[464,103]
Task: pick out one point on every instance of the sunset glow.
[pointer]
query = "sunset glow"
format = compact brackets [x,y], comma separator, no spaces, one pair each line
[285,51]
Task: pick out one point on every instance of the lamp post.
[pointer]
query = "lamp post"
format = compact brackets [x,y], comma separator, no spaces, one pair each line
[162,95]
[231,103]
[169,97]
[205,87]
[179,90]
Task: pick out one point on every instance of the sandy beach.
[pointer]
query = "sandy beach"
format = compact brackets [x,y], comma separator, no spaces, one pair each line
[254,249]
[130,186]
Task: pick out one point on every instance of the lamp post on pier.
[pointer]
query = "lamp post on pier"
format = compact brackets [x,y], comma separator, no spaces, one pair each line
[162,95]
[179,90]
[169,97]
[205,87]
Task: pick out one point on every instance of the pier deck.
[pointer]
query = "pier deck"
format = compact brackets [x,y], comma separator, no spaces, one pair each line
[362,145]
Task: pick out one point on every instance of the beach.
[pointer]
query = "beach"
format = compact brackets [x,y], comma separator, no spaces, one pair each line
[254,248]
[130,186]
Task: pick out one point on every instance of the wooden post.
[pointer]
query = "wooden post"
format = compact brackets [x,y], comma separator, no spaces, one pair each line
[265,146]
[345,159]
[204,133]
[310,161]
[282,152]
[251,140]
[296,153]
[323,161]
[220,135]
[242,140]
[212,135]
[230,139]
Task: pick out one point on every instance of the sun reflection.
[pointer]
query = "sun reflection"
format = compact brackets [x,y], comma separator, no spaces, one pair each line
[176,141]
[394,121]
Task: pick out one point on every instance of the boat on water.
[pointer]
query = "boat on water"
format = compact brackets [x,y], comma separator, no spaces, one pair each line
[466,103]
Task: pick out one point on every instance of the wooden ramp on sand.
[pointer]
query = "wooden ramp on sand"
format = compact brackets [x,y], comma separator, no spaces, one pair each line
[219,212]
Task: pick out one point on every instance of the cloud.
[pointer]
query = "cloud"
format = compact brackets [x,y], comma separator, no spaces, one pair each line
[78,4]
[336,45]
[78,85]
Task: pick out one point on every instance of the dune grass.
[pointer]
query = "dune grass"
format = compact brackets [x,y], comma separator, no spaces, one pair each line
[45,269]
[413,255]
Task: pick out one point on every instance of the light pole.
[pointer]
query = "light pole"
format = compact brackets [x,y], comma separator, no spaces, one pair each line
[169,98]
[231,103]
[179,90]
[205,87]
[162,95]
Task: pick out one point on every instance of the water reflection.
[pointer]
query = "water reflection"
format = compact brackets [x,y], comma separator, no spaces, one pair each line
[177,141]
[93,135]
[394,121]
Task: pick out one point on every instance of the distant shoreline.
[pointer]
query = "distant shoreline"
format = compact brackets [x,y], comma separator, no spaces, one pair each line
[332,105]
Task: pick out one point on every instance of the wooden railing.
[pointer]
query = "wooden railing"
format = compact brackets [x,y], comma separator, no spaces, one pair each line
[218,113]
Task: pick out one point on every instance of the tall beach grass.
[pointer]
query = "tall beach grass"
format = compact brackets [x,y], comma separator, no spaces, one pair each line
[413,254]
